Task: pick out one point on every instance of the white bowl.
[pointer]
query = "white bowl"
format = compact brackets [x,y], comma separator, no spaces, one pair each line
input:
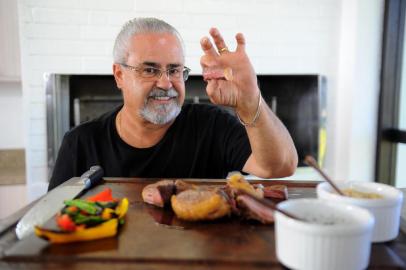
[386,210]
[345,244]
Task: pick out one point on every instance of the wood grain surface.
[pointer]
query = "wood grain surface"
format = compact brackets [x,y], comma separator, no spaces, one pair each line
[156,239]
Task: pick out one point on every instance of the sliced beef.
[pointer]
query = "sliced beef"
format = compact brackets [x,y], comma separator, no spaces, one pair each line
[276,193]
[252,209]
[159,193]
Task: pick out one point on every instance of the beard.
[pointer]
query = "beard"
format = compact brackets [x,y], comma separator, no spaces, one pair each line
[161,114]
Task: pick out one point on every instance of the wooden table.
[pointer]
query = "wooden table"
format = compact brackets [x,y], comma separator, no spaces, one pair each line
[153,238]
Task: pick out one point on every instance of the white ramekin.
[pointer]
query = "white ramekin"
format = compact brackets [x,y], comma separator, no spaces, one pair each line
[308,245]
[386,210]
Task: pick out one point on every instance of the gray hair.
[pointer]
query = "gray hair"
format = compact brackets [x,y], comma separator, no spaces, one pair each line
[139,26]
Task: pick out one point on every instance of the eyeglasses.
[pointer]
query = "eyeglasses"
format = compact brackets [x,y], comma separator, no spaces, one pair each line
[174,74]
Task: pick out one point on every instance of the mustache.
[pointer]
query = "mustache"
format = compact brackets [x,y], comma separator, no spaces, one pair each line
[158,92]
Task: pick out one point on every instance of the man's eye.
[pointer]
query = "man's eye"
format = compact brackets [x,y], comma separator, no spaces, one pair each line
[150,71]
[174,72]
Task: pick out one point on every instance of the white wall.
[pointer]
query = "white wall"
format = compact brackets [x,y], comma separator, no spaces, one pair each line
[11,115]
[356,96]
[338,39]
[12,197]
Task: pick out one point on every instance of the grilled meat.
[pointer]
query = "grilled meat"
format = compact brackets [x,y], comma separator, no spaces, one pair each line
[247,207]
[182,186]
[197,202]
[237,181]
[159,193]
[251,209]
[276,192]
[200,204]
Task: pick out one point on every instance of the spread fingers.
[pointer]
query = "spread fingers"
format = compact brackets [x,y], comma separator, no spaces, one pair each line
[207,46]
[218,40]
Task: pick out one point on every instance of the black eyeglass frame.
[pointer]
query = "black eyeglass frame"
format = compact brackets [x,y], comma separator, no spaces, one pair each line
[185,72]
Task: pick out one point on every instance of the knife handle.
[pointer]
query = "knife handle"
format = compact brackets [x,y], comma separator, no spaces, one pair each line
[92,177]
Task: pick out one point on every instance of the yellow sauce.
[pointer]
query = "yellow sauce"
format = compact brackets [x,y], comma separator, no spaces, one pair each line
[363,195]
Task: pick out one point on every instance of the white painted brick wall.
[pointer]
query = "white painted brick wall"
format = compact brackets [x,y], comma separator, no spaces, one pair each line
[31,30]
[59,16]
[37,127]
[76,36]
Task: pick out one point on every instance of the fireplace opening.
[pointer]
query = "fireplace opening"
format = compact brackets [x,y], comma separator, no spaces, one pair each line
[298,100]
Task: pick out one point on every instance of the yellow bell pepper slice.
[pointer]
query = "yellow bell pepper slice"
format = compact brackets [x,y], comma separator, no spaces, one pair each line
[106,229]
[122,208]
[107,213]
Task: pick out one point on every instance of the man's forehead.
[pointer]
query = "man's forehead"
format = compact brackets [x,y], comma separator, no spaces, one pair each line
[158,48]
[155,39]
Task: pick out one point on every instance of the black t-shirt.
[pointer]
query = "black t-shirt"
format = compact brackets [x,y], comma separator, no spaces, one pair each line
[205,141]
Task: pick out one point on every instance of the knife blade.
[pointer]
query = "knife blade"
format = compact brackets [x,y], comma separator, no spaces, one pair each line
[52,202]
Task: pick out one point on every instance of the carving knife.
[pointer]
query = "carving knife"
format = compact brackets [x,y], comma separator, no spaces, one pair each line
[52,202]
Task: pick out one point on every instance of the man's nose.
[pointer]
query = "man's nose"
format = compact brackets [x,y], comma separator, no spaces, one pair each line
[164,82]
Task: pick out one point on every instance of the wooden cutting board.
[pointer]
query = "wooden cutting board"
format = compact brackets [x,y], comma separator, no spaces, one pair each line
[156,235]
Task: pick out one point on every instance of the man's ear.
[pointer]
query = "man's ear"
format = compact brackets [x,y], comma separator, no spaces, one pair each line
[118,75]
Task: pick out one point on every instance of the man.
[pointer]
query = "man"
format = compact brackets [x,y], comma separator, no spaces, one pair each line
[154,135]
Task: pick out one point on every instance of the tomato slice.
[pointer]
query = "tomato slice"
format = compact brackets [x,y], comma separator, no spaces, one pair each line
[66,223]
